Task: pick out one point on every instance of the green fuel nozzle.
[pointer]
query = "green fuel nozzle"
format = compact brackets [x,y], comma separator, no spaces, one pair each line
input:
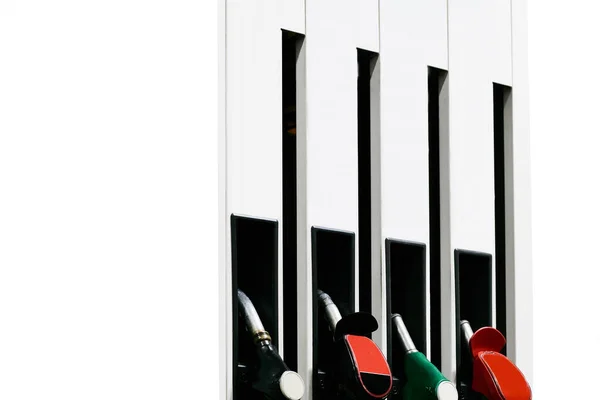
[423,381]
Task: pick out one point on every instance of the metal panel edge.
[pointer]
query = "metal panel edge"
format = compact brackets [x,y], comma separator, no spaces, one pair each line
[224,266]
[519,264]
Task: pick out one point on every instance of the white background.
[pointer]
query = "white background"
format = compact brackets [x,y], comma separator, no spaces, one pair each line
[565,134]
[108,198]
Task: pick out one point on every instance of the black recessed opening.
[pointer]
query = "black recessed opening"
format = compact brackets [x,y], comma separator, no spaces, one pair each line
[290,46]
[501,94]
[333,264]
[435,81]
[407,296]
[254,271]
[473,277]
[366,61]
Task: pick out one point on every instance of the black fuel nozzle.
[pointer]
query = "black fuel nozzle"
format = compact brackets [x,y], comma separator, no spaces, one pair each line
[271,376]
[361,370]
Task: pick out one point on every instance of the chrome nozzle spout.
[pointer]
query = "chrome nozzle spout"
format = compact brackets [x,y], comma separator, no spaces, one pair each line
[466,331]
[332,314]
[408,346]
[251,318]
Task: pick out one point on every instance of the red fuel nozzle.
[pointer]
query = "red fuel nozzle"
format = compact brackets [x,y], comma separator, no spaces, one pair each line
[362,370]
[494,375]
[368,373]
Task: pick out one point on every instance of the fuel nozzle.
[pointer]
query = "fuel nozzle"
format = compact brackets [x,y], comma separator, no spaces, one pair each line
[271,376]
[494,375]
[423,381]
[362,372]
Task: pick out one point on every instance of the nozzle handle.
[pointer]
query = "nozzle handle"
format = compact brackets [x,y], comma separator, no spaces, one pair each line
[273,377]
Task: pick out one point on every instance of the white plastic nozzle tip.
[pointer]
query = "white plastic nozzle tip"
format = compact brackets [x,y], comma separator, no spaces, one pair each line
[291,385]
[446,391]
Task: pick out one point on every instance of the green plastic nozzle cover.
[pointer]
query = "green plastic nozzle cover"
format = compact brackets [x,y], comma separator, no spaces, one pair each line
[423,379]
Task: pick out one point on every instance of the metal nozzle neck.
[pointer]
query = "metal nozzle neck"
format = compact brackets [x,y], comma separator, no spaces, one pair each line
[408,346]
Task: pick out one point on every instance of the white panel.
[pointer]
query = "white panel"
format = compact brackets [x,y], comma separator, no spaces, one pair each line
[254,132]
[479,33]
[328,155]
[331,73]
[413,37]
[500,46]
[367,24]
[291,14]
[254,107]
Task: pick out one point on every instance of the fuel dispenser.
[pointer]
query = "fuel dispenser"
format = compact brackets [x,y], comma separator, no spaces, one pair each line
[269,374]
[492,374]
[422,380]
[360,371]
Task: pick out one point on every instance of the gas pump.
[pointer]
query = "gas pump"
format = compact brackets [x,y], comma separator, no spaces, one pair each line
[422,380]
[493,374]
[361,371]
[269,375]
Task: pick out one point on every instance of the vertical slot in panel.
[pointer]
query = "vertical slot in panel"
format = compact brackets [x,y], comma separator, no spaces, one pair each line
[501,114]
[407,292]
[474,287]
[366,64]
[473,302]
[254,271]
[437,108]
[333,265]
[291,44]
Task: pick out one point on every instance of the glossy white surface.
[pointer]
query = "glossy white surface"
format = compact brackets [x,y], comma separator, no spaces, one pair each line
[291,385]
[446,391]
